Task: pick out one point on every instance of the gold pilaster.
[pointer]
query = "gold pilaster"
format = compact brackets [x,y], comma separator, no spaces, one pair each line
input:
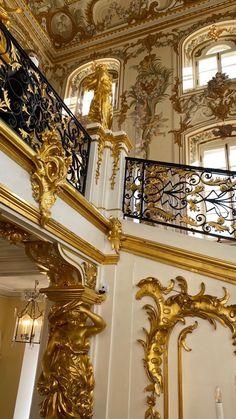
[67,381]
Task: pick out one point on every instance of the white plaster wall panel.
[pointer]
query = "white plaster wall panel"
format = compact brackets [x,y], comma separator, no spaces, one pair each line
[15,178]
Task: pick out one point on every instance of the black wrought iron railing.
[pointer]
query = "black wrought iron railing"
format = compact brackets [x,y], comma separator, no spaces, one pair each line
[29,105]
[187,197]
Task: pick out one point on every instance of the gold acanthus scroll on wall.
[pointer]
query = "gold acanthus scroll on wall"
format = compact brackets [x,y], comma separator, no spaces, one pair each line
[51,167]
[163,316]
[66,382]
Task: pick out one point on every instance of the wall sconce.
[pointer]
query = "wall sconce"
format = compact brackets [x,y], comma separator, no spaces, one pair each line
[29,320]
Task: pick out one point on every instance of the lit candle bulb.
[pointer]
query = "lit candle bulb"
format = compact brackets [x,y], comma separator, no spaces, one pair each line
[219,404]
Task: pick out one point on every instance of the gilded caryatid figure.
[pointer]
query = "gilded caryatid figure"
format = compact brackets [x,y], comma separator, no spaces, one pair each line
[67,380]
[100,81]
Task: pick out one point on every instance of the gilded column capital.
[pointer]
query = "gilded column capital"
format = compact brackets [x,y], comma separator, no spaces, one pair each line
[51,167]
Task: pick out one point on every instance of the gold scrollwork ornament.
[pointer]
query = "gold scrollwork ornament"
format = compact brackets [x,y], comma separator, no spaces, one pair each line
[51,167]
[164,315]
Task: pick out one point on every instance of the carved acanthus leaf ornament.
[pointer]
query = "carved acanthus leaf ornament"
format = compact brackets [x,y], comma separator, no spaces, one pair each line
[163,316]
[51,167]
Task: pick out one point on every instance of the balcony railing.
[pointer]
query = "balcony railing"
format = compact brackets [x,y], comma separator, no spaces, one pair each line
[191,198]
[29,105]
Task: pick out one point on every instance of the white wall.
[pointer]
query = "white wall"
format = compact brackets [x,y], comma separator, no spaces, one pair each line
[119,372]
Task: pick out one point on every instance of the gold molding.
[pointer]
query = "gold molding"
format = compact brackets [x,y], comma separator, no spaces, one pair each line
[163,316]
[180,258]
[21,153]
[182,344]
[187,260]
[121,37]
[115,234]
[32,214]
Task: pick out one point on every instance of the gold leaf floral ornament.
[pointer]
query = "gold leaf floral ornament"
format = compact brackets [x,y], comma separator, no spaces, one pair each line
[51,167]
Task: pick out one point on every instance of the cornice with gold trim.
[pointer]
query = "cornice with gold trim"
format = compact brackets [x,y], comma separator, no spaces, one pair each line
[100,42]
[22,154]
[31,213]
[180,258]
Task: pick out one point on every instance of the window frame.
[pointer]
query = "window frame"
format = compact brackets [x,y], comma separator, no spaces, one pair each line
[197,58]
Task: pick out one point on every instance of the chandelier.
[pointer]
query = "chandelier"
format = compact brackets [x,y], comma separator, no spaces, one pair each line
[29,320]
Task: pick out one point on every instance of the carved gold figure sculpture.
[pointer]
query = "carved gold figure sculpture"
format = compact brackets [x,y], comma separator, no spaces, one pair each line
[101,107]
[69,395]
[4,10]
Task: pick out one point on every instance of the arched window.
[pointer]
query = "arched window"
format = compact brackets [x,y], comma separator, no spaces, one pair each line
[206,52]
[78,98]
[213,147]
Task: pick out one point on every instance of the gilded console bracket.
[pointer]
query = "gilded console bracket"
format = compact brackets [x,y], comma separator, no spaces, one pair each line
[163,316]
[51,167]
[115,234]
[67,381]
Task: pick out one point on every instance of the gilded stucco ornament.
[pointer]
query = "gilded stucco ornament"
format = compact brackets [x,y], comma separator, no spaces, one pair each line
[115,234]
[115,153]
[51,167]
[216,102]
[163,316]
[12,233]
[67,380]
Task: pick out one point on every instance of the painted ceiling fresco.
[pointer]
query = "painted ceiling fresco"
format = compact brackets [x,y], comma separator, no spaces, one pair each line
[71,21]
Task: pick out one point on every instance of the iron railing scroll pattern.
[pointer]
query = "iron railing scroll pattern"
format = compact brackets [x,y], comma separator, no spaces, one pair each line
[191,198]
[29,105]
